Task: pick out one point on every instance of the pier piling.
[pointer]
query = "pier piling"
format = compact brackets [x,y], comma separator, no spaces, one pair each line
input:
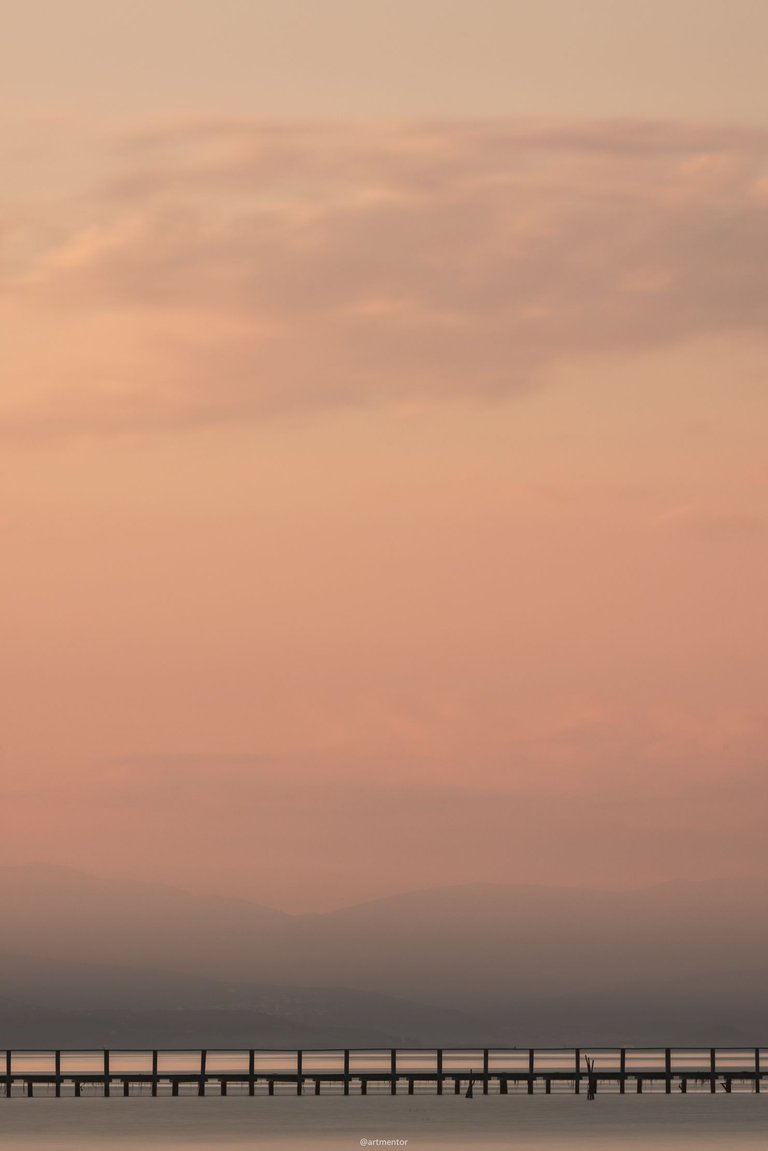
[59,1073]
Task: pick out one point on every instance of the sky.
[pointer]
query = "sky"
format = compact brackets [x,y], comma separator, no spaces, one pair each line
[383,490]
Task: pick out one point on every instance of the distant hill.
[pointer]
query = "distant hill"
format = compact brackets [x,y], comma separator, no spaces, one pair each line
[57,911]
[23,1026]
[61,999]
[520,960]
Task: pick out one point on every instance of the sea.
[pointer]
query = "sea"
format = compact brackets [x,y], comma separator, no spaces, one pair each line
[416,1123]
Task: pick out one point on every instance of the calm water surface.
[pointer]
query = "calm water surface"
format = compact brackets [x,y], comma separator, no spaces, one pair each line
[673,1123]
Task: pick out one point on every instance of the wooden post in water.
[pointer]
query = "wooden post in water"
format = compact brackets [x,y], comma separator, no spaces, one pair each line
[393,1071]
[271,1087]
[317,1085]
[346,1071]
[299,1071]
[439,1071]
[174,1087]
[154,1072]
[757,1070]
[712,1070]
[106,1072]
[8,1074]
[547,1086]
[78,1087]
[622,1070]
[457,1085]
[577,1072]
[252,1072]
[668,1070]
[201,1082]
[531,1063]
[410,1085]
[486,1069]
[639,1085]
[57,1071]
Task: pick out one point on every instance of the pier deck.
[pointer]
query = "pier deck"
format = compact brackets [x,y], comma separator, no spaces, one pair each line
[355,1071]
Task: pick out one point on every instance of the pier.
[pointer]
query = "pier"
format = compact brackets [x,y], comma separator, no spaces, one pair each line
[477,1071]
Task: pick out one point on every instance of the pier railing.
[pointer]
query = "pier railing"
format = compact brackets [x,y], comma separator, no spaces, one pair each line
[393,1070]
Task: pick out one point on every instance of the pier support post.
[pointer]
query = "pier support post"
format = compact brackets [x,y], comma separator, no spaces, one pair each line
[8,1074]
[674,1072]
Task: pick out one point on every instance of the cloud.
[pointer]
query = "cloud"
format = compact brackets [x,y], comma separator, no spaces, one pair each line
[218,272]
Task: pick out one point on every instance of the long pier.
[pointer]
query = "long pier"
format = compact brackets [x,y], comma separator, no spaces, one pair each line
[392,1071]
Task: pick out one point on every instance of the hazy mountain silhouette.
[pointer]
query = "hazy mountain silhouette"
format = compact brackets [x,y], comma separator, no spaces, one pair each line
[27,1026]
[68,998]
[48,910]
[542,964]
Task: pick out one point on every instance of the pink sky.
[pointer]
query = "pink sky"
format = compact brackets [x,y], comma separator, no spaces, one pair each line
[384,504]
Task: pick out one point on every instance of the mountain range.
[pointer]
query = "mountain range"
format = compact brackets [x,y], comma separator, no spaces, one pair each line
[86,960]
